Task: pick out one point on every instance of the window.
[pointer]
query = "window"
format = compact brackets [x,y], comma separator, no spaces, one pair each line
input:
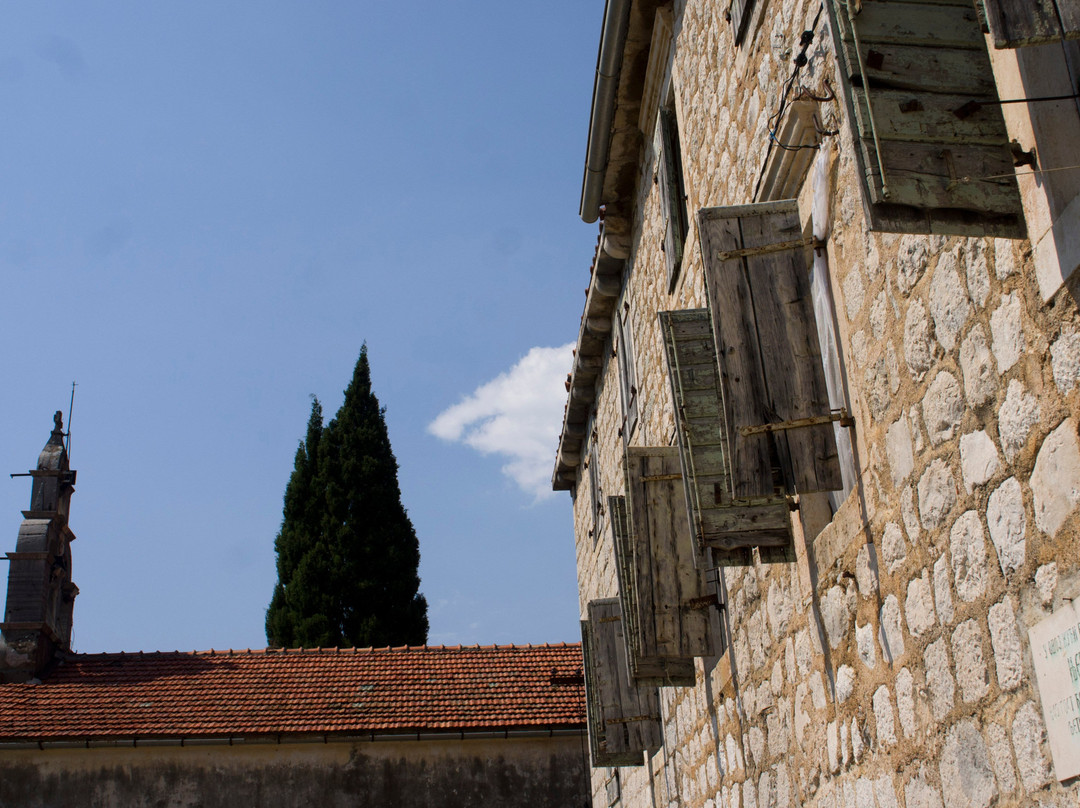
[669,178]
[1017,23]
[595,492]
[739,14]
[930,137]
[624,351]
[790,157]
[623,718]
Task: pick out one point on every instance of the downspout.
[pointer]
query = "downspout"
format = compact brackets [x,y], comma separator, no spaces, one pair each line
[608,64]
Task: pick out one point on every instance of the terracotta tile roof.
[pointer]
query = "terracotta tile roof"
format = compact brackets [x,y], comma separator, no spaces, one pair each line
[271,692]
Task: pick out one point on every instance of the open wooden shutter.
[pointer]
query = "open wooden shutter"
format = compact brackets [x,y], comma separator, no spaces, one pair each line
[920,81]
[767,350]
[717,518]
[667,594]
[1016,23]
[624,719]
[672,194]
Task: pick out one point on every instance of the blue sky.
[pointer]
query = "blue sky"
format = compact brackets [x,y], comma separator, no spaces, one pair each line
[206,209]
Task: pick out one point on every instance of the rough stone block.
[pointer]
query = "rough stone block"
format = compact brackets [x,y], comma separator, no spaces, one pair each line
[971,673]
[977,364]
[1055,481]
[979,459]
[942,592]
[918,342]
[919,606]
[1001,757]
[1046,582]
[845,683]
[943,406]
[893,547]
[910,513]
[1005,638]
[1028,736]
[1017,417]
[911,261]
[937,494]
[1007,522]
[978,276]
[864,643]
[892,635]
[939,678]
[836,609]
[949,304]
[967,546]
[1007,331]
[1065,359]
[866,571]
[919,794]
[967,776]
[1005,263]
[898,450]
[905,701]
[883,716]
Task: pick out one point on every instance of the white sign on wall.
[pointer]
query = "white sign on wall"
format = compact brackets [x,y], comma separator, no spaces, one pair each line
[1055,650]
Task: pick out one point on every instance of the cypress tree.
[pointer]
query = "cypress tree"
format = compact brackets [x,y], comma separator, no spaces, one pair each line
[347,551]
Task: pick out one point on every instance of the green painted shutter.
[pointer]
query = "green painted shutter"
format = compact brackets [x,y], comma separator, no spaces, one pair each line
[718,520]
[1016,23]
[624,719]
[920,80]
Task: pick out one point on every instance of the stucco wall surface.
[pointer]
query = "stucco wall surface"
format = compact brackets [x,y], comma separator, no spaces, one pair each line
[890,665]
[406,774]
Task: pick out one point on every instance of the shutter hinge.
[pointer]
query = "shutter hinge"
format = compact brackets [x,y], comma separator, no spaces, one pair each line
[841,416]
[809,241]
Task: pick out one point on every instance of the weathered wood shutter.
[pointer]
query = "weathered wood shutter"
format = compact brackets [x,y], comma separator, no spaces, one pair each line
[920,85]
[1017,23]
[594,489]
[624,719]
[666,600]
[767,349]
[718,519]
[672,194]
[739,12]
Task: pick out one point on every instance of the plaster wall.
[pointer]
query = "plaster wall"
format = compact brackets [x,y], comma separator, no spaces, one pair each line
[533,773]
[890,665]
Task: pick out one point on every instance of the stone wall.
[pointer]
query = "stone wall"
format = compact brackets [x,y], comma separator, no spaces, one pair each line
[538,773]
[890,665]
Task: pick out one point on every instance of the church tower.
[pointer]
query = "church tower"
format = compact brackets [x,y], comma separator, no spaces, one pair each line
[41,595]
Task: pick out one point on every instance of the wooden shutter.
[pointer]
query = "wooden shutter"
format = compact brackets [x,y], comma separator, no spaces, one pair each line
[1016,23]
[672,194]
[667,594]
[739,12]
[624,719]
[718,519]
[767,349]
[921,80]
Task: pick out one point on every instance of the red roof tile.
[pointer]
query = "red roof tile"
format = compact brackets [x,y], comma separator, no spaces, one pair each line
[272,692]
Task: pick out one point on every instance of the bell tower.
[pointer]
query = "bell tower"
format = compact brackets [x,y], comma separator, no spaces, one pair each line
[41,595]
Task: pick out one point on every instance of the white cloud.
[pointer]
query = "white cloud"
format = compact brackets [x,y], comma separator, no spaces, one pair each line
[517,414]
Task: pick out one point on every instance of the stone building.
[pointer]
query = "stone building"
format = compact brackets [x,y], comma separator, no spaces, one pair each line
[822,427]
[419,726]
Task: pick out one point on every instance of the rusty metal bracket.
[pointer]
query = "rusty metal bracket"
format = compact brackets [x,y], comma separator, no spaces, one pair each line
[841,416]
[809,241]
